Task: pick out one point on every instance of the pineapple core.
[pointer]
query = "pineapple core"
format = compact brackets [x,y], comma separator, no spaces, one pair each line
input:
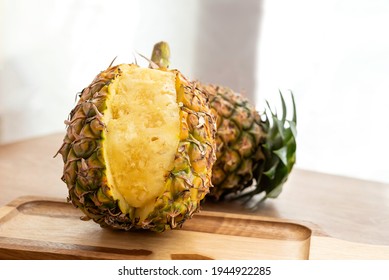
[142,136]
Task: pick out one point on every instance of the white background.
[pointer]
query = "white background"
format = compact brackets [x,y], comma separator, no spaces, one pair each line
[334,55]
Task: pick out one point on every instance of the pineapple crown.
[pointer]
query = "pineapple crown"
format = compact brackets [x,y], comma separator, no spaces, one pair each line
[161,55]
[279,149]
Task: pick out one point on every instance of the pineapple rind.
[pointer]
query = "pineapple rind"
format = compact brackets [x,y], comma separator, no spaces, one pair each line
[254,155]
[239,134]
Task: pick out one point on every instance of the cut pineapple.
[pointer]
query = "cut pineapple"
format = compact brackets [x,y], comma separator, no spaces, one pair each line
[153,147]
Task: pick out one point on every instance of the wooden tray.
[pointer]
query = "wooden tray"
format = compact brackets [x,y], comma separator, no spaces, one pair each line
[42,228]
[38,228]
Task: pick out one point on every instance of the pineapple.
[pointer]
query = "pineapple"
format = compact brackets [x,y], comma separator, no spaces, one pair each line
[139,149]
[255,152]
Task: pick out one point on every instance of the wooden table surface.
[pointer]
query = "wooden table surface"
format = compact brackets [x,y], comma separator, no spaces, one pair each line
[344,208]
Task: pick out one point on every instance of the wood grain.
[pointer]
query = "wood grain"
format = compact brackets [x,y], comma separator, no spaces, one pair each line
[37,228]
[327,248]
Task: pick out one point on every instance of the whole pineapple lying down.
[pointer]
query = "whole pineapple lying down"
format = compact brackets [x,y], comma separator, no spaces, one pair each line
[255,152]
[139,149]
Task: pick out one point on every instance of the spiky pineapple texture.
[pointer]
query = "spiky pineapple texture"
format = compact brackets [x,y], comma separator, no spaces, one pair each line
[239,134]
[255,152]
[87,176]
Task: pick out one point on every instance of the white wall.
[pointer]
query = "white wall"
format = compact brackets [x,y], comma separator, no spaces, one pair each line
[52,49]
[334,55]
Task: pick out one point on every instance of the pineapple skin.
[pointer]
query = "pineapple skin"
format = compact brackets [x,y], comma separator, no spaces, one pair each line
[85,170]
[239,136]
[255,153]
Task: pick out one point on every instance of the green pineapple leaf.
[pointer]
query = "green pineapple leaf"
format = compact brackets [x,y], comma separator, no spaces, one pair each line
[280,154]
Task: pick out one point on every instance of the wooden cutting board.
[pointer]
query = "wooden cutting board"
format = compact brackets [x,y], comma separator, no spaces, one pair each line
[43,228]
